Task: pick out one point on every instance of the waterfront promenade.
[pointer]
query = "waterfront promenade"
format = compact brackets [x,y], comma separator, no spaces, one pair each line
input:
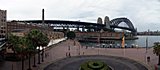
[62,50]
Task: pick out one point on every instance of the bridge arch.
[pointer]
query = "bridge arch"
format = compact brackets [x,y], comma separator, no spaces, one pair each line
[117,21]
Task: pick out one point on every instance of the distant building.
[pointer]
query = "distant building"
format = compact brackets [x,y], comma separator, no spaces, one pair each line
[3,25]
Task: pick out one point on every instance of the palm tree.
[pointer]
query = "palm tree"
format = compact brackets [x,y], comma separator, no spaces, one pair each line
[13,42]
[157,50]
[37,38]
[19,46]
[23,46]
[43,42]
[30,50]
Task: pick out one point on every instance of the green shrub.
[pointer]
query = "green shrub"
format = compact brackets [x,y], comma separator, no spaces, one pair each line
[94,65]
[71,35]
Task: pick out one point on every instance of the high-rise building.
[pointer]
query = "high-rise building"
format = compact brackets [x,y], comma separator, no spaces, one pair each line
[3,25]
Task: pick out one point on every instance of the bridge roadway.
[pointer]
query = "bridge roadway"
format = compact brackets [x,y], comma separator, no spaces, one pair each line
[77,24]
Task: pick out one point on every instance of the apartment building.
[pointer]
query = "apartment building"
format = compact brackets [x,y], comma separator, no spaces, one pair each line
[3,21]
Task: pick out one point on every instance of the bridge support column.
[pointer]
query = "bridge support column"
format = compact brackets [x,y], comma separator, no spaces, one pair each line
[77,28]
[63,28]
[68,28]
[83,29]
[89,30]
[53,28]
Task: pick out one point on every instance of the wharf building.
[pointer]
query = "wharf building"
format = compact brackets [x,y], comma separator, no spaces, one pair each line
[21,29]
[105,37]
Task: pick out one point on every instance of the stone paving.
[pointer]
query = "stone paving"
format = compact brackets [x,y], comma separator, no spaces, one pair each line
[114,62]
[62,50]
[138,54]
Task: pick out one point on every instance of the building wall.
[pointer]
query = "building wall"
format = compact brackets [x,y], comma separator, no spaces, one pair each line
[25,27]
[97,34]
[54,35]
[3,18]
[13,26]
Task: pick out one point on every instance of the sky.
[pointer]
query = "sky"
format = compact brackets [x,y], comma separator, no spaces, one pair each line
[144,14]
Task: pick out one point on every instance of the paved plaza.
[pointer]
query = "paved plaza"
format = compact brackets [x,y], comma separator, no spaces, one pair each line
[116,63]
[61,50]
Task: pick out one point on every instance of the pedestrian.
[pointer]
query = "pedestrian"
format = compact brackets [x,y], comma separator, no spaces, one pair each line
[69,55]
[68,47]
[148,59]
[66,54]
[86,47]
[74,43]
[45,55]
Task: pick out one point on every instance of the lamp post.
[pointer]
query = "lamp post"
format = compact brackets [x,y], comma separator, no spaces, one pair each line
[146,44]
[147,57]
[79,50]
[99,40]
[39,55]
[34,57]
[69,51]
[42,54]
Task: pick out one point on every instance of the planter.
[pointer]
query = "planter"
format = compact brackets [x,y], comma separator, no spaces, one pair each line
[157,67]
[94,65]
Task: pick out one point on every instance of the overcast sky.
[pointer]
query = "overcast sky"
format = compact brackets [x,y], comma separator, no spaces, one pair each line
[144,14]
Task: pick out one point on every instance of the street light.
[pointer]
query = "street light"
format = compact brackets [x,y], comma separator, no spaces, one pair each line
[42,54]
[34,57]
[79,50]
[99,40]
[69,51]
[147,57]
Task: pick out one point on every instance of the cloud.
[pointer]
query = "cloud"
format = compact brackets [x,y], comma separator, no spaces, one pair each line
[140,12]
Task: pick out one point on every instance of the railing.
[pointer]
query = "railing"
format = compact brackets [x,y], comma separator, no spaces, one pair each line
[2,45]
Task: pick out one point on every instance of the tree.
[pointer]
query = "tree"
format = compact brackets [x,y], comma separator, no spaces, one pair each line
[13,41]
[19,45]
[34,36]
[43,42]
[71,35]
[156,50]
[23,46]
[30,50]
[39,39]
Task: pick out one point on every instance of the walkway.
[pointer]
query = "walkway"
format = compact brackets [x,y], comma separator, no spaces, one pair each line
[9,65]
[59,51]
[116,63]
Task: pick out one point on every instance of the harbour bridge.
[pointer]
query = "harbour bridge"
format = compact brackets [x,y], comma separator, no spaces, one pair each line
[114,23]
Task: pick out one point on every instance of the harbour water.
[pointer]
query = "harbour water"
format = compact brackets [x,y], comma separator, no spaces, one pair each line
[151,39]
[140,42]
